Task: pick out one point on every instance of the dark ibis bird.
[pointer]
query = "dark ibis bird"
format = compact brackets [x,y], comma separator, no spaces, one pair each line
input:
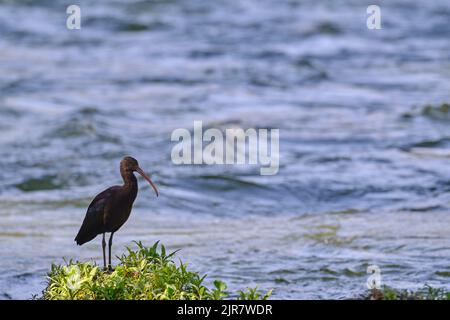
[111,208]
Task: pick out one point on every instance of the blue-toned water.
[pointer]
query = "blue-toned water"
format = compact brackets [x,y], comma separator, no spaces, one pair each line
[364,164]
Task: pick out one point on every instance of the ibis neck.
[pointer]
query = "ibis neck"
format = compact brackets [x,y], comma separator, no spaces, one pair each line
[129,179]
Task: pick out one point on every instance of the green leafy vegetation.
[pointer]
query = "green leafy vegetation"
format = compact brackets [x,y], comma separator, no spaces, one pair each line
[425,293]
[143,273]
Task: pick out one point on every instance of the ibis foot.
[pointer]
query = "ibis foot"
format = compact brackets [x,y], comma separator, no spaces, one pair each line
[108,269]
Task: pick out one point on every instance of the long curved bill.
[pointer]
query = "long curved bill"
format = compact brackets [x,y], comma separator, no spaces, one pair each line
[142,173]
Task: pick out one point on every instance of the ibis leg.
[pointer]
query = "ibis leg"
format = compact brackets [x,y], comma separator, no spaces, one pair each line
[104,255]
[109,249]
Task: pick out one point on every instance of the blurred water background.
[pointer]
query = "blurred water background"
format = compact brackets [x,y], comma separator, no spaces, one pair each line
[364,138]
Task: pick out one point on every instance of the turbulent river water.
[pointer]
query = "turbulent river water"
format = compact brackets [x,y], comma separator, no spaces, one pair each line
[364,138]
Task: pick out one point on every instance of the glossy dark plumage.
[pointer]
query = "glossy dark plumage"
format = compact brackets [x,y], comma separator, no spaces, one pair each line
[107,213]
[111,208]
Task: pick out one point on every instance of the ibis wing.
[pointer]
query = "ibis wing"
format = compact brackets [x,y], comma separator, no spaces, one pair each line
[93,223]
